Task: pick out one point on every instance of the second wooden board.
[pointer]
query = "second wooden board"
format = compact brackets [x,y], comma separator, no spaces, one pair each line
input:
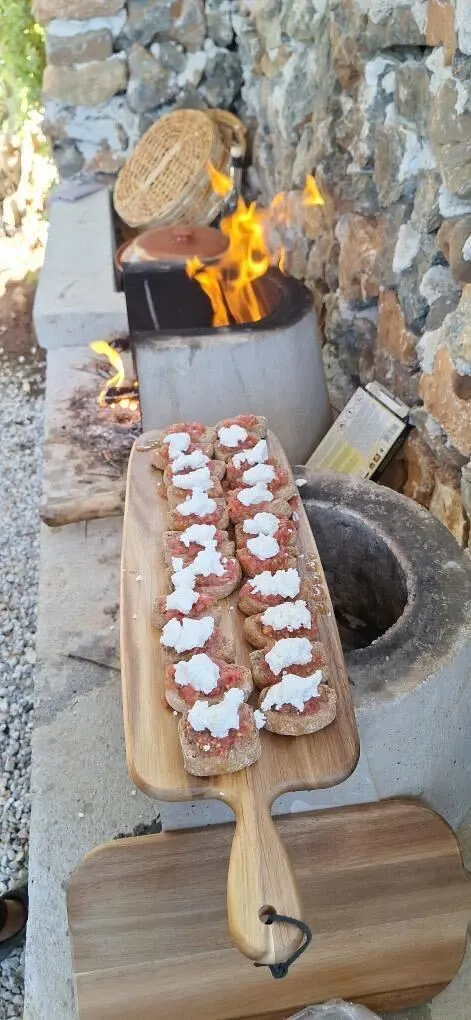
[384,891]
[259,872]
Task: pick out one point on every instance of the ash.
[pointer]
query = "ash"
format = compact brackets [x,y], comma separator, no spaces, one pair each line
[106,433]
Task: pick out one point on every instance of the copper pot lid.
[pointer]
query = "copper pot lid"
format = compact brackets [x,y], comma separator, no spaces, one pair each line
[175,245]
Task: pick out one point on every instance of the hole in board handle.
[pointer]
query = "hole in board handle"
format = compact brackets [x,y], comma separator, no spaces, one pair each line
[266,914]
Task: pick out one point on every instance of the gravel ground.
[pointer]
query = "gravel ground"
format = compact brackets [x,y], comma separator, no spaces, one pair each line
[21,409]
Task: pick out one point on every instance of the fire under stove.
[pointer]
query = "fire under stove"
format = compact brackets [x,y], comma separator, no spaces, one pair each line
[188,369]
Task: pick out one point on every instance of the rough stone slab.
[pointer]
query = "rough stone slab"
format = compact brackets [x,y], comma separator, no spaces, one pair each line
[146,19]
[463,25]
[114,23]
[88,84]
[150,83]
[76,300]
[104,135]
[438,388]
[46,10]
[440,28]
[79,48]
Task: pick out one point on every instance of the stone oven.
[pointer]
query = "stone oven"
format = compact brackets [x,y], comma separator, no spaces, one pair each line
[374,96]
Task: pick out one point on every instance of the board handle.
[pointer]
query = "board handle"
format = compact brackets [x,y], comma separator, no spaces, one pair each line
[260,882]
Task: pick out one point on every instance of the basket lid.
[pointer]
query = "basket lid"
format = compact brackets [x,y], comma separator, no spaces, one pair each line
[168,164]
[175,245]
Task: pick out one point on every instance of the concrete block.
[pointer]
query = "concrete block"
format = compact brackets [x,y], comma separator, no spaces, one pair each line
[76,300]
[277,372]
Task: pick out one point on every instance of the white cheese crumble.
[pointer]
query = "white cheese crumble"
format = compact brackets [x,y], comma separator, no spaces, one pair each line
[263,473]
[293,690]
[208,562]
[262,524]
[288,616]
[300,482]
[188,634]
[263,547]
[255,494]
[258,454]
[193,460]
[232,435]
[290,651]
[218,718]
[200,673]
[283,582]
[177,443]
[259,719]
[182,600]
[199,505]
[199,479]
[182,577]
[198,534]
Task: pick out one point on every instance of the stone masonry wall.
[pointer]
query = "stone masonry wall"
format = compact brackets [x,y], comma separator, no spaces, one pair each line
[113,68]
[374,96]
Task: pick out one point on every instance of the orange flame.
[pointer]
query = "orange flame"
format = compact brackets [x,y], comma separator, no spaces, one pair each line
[311,193]
[210,283]
[251,251]
[116,361]
[220,184]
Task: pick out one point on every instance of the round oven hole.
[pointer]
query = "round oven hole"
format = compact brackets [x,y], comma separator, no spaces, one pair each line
[367,582]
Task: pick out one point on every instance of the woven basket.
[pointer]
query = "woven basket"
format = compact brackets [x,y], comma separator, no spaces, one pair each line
[165,181]
[166,173]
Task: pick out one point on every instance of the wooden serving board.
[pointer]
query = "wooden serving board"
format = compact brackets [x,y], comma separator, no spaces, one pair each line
[259,872]
[384,891]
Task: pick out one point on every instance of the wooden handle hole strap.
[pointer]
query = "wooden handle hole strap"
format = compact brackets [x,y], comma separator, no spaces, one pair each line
[268,915]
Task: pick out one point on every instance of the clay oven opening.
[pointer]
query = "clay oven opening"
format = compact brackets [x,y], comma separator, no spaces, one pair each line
[366,580]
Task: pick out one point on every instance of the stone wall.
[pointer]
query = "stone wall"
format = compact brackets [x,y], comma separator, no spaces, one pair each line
[114,67]
[374,96]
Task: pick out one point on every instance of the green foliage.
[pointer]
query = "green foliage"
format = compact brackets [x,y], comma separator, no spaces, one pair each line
[21,62]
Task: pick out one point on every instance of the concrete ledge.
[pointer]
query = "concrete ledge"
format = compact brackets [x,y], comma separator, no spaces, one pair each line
[81,792]
[76,300]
